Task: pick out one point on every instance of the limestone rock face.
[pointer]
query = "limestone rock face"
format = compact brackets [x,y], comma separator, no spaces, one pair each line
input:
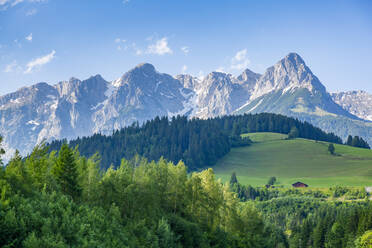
[74,108]
[358,103]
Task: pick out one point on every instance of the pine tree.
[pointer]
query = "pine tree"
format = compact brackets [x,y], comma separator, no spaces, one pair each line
[66,173]
[331,149]
[271,181]
[2,151]
[294,133]
[349,140]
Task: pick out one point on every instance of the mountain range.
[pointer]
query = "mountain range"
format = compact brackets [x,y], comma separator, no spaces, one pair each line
[75,108]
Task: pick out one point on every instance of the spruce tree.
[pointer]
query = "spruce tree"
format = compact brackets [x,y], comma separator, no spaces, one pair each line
[66,173]
[294,133]
[233,179]
[331,149]
[349,140]
[2,151]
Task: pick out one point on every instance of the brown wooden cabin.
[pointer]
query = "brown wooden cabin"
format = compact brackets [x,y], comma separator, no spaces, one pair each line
[300,185]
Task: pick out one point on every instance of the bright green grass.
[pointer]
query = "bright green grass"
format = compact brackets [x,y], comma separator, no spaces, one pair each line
[302,160]
[263,137]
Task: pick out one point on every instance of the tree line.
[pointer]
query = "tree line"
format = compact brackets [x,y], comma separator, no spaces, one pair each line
[199,143]
[357,141]
[309,216]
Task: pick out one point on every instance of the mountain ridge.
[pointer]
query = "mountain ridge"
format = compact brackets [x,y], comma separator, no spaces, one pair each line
[77,107]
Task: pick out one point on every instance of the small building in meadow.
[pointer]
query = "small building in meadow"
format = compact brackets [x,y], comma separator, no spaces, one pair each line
[300,185]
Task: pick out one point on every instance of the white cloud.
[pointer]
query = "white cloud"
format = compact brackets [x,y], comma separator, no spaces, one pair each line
[29,37]
[10,67]
[38,62]
[184,69]
[121,45]
[201,75]
[138,51]
[185,49]
[126,1]
[160,47]
[241,55]
[5,4]
[15,2]
[31,12]
[240,60]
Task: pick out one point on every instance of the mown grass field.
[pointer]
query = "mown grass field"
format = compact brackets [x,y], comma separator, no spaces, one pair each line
[302,160]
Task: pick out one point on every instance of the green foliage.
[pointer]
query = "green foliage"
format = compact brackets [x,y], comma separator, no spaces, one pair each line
[294,160]
[349,193]
[65,172]
[157,204]
[331,149]
[294,133]
[199,143]
[271,181]
[365,241]
[357,141]
[138,204]
[233,179]
[2,151]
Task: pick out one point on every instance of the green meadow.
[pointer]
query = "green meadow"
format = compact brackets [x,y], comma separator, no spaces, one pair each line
[308,161]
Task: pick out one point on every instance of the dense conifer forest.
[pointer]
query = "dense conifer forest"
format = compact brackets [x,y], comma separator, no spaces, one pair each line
[199,143]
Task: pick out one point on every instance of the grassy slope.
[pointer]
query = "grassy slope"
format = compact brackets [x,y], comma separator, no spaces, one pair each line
[296,160]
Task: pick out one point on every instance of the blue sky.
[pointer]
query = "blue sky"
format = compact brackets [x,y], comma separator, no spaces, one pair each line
[53,40]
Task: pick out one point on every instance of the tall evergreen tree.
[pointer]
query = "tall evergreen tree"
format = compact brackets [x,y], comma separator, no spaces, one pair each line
[233,179]
[349,140]
[2,151]
[65,172]
[331,148]
[294,133]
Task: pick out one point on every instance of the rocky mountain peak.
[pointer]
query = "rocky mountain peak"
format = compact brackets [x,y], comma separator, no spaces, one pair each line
[248,76]
[220,78]
[357,102]
[144,67]
[294,58]
[288,74]
[73,80]
[143,76]
[188,81]
[79,108]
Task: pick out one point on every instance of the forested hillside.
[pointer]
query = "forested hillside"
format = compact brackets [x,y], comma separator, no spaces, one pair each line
[65,200]
[199,143]
[314,218]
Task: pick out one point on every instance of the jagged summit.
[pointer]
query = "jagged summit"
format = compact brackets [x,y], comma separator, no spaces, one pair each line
[147,67]
[73,80]
[288,74]
[249,76]
[83,107]
[294,58]
[357,102]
